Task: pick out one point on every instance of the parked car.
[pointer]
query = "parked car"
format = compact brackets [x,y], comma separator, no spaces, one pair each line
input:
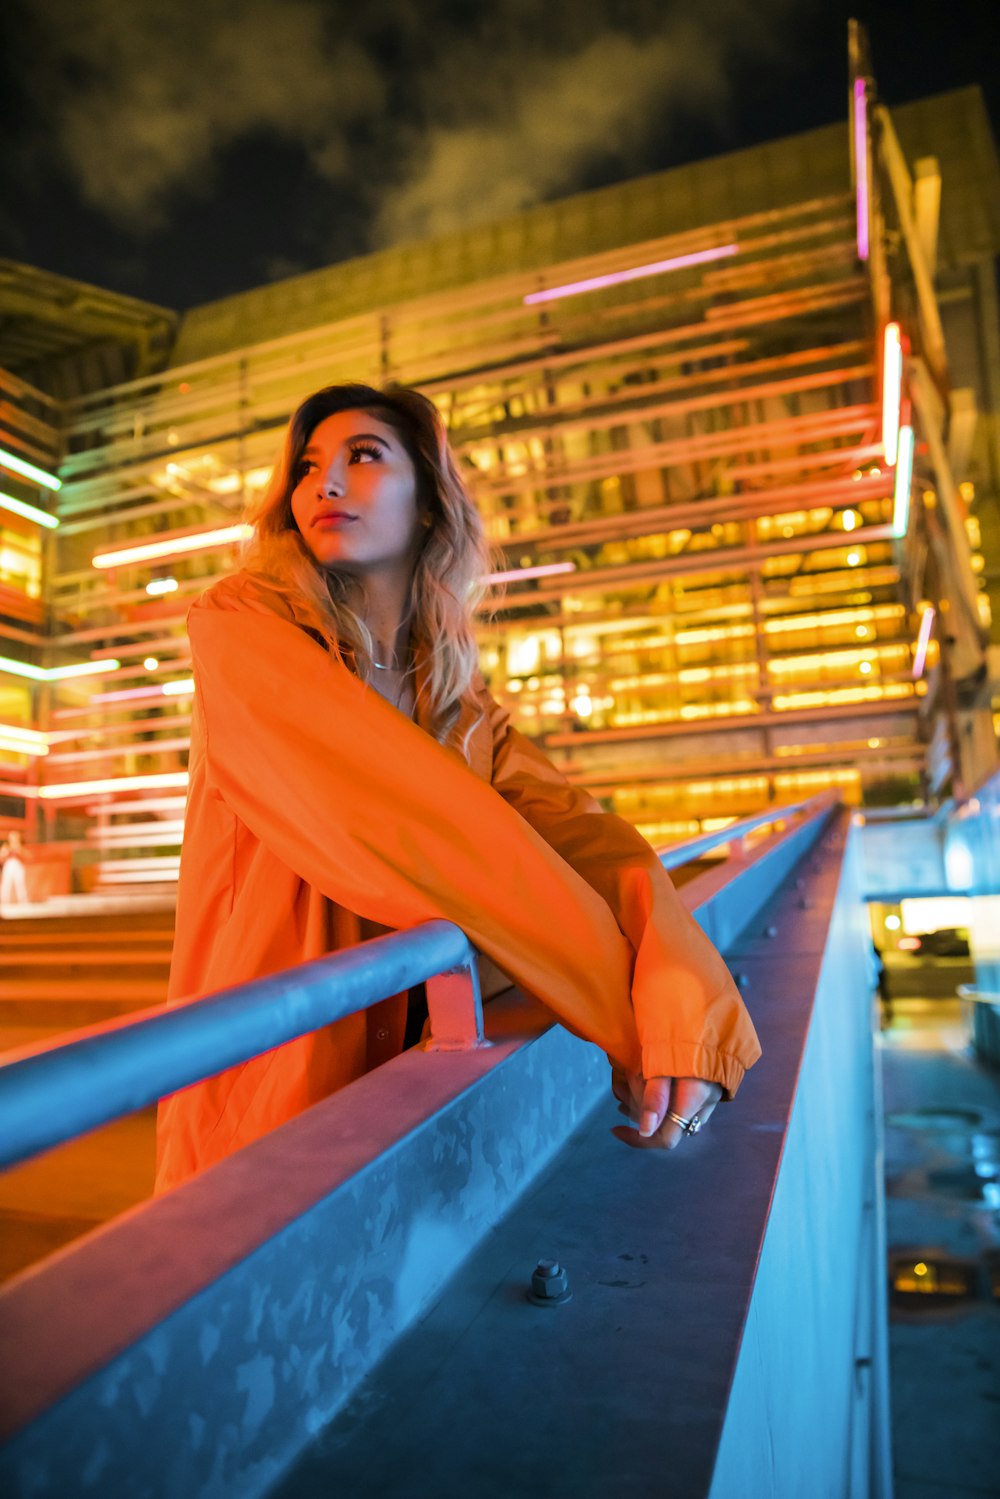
[949,942]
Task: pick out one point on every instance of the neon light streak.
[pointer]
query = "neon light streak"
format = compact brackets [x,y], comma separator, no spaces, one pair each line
[923,640]
[636,273]
[30,512]
[161,585]
[904,477]
[18,747]
[56,673]
[82,669]
[22,741]
[17,731]
[28,470]
[171,546]
[127,695]
[544,570]
[134,694]
[861,166]
[892,388]
[121,783]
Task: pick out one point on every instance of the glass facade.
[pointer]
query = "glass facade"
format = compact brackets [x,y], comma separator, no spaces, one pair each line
[713,605]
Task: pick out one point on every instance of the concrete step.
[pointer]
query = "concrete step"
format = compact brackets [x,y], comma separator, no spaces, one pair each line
[21,941]
[65,963]
[71,1011]
[83,966]
[99,987]
[69,1191]
[88,964]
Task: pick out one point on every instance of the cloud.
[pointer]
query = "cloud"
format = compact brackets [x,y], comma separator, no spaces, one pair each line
[412,117]
[146,95]
[600,102]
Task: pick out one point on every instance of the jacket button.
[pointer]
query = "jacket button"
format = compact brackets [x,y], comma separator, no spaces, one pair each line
[382,1035]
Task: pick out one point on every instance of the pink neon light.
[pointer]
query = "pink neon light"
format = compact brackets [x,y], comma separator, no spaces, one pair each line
[545,570]
[861,165]
[923,640]
[127,694]
[594,283]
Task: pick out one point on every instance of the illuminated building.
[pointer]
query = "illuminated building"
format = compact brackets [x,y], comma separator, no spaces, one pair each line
[674,398]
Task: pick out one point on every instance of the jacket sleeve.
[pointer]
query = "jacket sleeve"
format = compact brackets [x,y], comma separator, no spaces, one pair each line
[367,807]
[690,1017]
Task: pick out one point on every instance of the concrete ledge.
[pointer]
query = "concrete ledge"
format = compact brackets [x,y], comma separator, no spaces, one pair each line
[89,905]
[194,1346]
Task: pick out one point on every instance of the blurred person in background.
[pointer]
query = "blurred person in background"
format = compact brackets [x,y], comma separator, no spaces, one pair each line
[13,884]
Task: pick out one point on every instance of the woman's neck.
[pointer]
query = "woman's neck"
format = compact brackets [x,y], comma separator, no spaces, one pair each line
[385,605]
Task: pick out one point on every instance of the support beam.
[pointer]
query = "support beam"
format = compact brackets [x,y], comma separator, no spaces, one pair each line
[902,191]
[927,207]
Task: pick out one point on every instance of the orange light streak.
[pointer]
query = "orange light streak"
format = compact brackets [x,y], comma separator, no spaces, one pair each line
[115,783]
[172,546]
[23,741]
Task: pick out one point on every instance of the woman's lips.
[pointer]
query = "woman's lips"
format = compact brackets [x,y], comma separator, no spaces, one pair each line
[333,521]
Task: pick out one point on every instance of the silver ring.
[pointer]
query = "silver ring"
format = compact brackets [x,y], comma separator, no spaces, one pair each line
[689,1126]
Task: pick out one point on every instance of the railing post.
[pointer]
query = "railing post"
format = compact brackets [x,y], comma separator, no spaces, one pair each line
[455,1008]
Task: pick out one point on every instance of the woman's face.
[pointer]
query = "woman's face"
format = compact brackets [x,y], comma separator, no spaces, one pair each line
[355,495]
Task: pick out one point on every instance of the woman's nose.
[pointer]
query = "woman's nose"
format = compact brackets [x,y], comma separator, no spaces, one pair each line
[332,484]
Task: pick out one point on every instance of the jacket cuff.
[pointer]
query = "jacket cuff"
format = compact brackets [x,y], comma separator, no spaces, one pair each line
[687,1059]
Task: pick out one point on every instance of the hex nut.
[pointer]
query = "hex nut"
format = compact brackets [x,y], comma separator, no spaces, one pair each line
[549,1284]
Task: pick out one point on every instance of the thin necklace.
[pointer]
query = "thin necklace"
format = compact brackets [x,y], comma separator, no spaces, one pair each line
[382,666]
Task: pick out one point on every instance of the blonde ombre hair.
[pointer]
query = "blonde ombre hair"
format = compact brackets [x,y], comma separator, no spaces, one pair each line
[447,579]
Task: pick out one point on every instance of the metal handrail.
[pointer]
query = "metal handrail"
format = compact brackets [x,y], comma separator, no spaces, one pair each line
[116,1067]
[977,996]
[683,853]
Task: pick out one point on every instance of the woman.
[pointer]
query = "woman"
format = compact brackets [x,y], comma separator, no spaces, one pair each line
[349,773]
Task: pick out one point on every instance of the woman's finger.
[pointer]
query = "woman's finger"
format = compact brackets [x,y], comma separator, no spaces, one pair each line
[688,1097]
[694,1097]
[655,1102]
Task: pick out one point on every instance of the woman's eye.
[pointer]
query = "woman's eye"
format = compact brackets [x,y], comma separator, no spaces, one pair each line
[363,451]
[302,468]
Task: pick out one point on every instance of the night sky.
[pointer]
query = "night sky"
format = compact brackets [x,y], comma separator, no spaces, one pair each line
[181,150]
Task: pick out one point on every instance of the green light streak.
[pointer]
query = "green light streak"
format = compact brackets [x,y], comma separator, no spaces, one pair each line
[30,512]
[28,470]
[56,673]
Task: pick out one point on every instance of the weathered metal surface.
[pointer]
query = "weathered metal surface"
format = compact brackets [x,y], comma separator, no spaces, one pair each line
[269,1331]
[195,1347]
[711,1341]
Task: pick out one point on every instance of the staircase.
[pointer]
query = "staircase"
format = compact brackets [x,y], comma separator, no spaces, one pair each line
[92,962]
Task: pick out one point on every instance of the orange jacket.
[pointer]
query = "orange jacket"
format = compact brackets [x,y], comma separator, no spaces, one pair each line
[318,814]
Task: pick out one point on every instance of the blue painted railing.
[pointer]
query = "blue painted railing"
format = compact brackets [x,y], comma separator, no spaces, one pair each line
[64,1090]
[694,848]
[243,1309]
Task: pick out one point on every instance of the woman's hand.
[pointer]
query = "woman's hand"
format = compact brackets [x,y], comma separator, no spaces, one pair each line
[647,1102]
